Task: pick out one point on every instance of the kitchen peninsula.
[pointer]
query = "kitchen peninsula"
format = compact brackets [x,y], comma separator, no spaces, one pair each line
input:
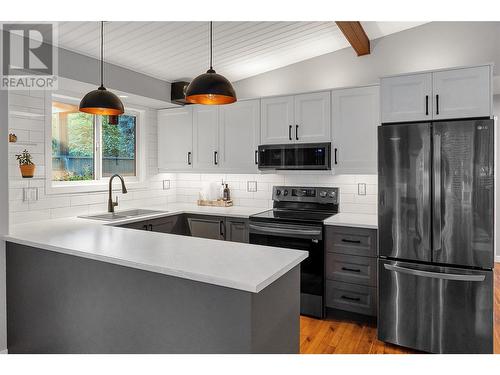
[78,286]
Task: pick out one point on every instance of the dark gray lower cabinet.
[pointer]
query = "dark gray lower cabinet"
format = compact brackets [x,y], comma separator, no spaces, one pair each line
[236,230]
[351,269]
[170,224]
[204,226]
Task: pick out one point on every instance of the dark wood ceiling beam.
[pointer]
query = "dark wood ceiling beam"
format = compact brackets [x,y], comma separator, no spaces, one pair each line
[356,36]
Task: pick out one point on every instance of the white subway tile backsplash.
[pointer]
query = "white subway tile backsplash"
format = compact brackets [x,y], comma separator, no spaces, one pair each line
[189,184]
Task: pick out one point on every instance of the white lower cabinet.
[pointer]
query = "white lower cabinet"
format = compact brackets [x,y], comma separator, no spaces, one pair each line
[175,139]
[239,135]
[206,137]
[356,115]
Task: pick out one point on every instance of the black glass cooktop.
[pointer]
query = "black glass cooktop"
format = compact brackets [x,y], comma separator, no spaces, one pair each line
[292,215]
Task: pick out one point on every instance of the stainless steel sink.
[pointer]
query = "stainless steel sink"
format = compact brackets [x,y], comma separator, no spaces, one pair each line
[121,215]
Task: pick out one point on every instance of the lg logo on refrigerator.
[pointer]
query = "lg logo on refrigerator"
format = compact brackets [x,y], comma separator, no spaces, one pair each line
[29,56]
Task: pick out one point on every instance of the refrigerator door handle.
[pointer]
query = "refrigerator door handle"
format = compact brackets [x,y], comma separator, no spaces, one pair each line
[437,193]
[434,275]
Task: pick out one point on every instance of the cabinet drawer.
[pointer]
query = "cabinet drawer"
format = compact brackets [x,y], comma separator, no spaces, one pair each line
[351,297]
[351,269]
[351,241]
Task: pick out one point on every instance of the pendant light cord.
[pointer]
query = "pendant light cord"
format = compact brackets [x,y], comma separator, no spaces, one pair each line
[211,45]
[102,53]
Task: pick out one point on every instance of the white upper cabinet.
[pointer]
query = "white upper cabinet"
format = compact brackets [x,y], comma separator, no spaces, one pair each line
[239,135]
[312,117]
[438,95]
[206,137]
[462,93]
[277,120]
[175,138]
[356,116]
[406,98]
[301,118]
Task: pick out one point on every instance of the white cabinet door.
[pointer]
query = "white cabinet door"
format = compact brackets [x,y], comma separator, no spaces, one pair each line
[312,118]
[277,120]
[460,93]
[239,135]
[175,138]
[406,98]
[356,114]
[206,137]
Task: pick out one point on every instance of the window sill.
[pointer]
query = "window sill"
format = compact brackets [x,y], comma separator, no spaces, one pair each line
[53,188]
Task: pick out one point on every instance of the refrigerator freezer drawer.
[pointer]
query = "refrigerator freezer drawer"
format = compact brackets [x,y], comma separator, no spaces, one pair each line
[435,309]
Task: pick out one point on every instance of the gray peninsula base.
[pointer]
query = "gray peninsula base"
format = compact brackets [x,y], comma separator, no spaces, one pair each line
[59,303]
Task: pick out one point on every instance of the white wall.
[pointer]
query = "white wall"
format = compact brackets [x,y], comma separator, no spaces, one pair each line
[32,130]
[189,185]
[433,45]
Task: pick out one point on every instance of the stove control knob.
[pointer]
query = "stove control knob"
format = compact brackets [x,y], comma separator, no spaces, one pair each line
[332,194]
[285,192]
[278,192]
[322,194]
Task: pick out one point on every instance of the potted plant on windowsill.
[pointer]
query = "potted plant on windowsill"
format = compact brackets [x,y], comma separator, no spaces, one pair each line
[26,164]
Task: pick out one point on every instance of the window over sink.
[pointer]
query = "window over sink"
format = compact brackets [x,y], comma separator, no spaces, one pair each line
[86,149]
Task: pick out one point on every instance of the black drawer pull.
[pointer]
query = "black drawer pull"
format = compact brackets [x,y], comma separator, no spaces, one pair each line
[350,269]
[350,241]
[145,227]
[355,299]
[290,132]
[427,105]
[151,227]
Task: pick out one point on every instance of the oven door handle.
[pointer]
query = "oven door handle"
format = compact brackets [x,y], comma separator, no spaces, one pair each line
[313,234]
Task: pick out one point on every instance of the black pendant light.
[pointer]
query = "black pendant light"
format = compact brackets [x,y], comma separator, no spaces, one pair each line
[210,88]
[101,101]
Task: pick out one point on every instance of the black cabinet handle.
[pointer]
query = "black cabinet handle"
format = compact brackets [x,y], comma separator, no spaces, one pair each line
[221,228]
[290,132]
[151,227]
[335,155]
[256,157]
[357,299]
[216,159]
[427,105]
[350,241]
[189,158]
[145,227]
[296,132]
[350,269]
[437,104]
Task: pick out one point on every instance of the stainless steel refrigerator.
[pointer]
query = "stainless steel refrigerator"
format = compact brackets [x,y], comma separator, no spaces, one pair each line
[435,217]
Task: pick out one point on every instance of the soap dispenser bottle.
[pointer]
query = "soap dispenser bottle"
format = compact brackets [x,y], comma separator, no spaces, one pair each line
[226,193]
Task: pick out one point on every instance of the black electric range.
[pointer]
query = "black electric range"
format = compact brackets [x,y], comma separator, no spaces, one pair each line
[296,222]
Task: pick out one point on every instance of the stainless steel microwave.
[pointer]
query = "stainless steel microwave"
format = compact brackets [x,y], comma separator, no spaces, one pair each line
[306,156]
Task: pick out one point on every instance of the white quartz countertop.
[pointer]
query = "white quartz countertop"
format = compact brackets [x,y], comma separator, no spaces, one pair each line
[353,220]
[229,264]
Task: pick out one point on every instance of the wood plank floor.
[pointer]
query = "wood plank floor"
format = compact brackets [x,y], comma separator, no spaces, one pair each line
[341,336]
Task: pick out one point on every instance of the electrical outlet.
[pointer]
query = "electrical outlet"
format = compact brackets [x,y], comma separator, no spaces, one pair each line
[30,194]
[166,184]
[361,189]
[252,186]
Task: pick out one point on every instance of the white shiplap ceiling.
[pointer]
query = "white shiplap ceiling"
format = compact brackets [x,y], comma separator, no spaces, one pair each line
[179,50]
